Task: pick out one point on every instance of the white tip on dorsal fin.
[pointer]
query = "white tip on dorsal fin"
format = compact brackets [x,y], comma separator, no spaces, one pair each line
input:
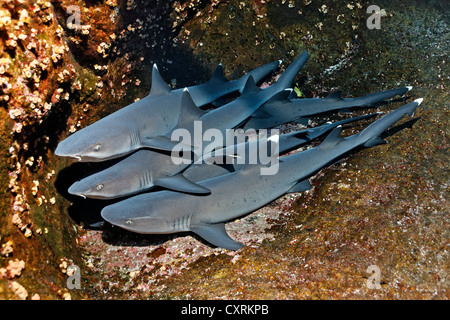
[274,138]
[218,75]
[159,86]
[409,88]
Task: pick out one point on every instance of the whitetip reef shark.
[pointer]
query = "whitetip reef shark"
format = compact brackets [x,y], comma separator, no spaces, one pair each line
[246,190]
[146,168]
[279,110]
[229,115]
[127,129]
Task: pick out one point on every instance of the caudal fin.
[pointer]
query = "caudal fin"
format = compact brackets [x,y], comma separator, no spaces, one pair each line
[370,136]
[290,73]
[296,139]
[372,133]
[374,98]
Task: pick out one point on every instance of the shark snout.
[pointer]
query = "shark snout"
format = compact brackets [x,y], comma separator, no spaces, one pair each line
[61,152]
[77,189]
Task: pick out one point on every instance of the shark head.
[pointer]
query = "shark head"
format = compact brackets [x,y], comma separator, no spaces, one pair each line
[98,142]
[131,214]
[106,184]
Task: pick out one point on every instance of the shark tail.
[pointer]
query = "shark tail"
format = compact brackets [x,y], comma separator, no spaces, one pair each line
[278,89]
[370,136]
[374,98]
[290,73]
[294,140]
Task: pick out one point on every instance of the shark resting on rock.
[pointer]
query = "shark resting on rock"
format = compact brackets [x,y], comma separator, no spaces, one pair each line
[228,116]
[128,129]
[241,192]
[279,110]
[148,168]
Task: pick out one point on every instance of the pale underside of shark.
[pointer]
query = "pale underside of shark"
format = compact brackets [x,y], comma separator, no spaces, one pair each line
[127,129]
[236,194]
[279,110]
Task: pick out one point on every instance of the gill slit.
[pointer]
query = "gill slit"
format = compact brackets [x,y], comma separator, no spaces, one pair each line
[145,179]
[182,223]
[134,139]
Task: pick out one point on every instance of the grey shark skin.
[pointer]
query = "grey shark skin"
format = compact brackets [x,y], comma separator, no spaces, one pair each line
[239,153]
[124,131]
[146,169]
[230,115]
[280,110]
[235,194]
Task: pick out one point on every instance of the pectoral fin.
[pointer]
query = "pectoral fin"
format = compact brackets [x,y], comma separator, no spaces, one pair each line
[217,235]
[180,183]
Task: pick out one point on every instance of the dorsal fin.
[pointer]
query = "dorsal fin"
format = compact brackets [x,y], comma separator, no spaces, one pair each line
[336,95]
[189,110]
[218,76]
[250,87]
[159,86]
[283,95]
[333,138]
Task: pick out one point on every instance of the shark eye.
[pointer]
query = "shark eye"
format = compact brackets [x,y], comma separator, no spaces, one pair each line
[99,187]
[128,222]
[97,146]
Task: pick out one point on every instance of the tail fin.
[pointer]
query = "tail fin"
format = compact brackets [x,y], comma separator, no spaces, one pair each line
[374,98]
[296,139]
[370,136]
[291,72]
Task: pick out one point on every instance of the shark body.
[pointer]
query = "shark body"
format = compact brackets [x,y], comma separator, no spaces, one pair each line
[147,168]
[128,129]
[235,194]
[279,110]
[230,115]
